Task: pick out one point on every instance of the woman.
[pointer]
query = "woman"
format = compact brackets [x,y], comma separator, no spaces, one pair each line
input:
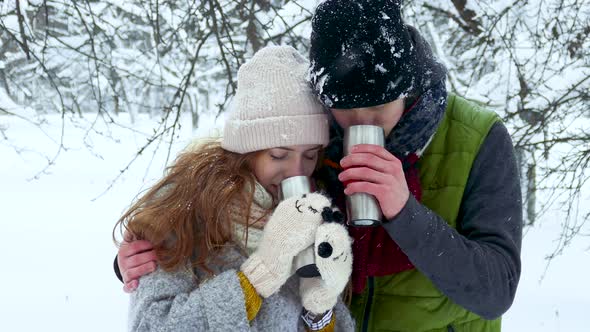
[223,264]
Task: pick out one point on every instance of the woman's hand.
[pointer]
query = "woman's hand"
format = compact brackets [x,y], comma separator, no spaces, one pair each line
[291,228]
[333,257]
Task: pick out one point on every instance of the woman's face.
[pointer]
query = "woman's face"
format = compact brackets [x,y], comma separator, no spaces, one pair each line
[272,166]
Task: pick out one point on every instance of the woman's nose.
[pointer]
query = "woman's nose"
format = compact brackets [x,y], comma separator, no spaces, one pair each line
[296,168]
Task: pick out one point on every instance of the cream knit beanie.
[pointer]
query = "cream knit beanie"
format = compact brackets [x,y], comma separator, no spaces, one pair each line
[274,105]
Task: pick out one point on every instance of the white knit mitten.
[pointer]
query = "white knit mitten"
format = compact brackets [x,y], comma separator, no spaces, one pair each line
[291,228]
[333,249]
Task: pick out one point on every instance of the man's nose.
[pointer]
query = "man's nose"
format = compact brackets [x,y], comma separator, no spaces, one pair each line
[359,116]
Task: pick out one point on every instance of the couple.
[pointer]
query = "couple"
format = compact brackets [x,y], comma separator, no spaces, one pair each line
[447,257]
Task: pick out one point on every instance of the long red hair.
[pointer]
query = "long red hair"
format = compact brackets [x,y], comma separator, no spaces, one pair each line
[186,215]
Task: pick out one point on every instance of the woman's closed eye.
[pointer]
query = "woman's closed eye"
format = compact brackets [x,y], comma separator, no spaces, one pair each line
[278,156]
[310,156]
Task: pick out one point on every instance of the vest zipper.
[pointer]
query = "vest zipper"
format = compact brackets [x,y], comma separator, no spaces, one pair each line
[367,313]
[450,328]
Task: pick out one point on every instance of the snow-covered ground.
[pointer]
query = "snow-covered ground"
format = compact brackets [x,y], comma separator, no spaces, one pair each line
[57,251]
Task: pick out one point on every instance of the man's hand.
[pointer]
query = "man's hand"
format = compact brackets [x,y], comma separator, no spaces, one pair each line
[373,170]
[135,259]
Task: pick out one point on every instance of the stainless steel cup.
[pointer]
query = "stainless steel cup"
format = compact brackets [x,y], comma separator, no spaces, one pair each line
[295,186]
[363,209]
[304,262]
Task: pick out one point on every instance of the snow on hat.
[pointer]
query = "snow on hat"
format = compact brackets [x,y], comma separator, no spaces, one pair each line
[274,105]
[363,54]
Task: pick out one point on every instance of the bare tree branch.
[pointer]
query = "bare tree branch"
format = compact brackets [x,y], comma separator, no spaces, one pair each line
[21,26]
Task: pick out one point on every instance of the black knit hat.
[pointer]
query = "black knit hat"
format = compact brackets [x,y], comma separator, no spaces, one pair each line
[363,54]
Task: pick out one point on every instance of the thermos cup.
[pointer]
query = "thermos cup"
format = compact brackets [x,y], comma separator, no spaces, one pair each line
[304,262]
[363,209]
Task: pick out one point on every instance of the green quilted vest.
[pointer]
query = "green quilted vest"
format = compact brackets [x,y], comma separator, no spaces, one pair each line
[408,301]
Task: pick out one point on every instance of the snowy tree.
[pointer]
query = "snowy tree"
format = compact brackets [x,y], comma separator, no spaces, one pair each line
[527,60]
[102,58]
[530,62]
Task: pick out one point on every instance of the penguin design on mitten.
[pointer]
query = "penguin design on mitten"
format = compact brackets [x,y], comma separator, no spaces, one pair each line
[333,258]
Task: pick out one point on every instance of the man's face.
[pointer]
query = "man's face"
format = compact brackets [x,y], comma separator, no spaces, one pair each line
[385,116]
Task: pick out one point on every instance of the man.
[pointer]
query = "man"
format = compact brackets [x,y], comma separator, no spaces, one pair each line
[447,257]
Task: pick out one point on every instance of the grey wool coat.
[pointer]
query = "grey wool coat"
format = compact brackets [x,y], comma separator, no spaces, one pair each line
[178,302]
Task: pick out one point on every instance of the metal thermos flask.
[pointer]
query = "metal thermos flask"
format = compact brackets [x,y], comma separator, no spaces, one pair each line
[363,209]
